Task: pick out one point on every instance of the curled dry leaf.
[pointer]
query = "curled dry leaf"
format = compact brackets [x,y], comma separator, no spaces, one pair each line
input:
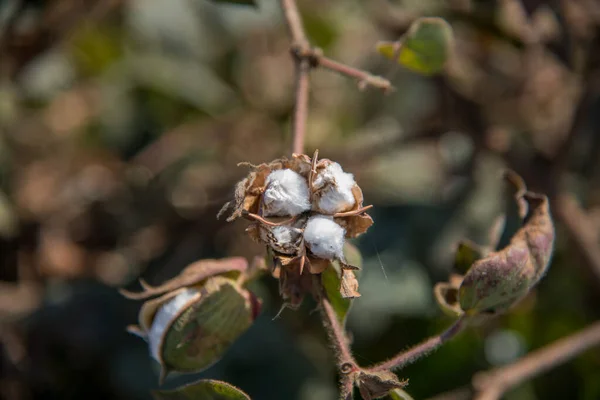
[501,278]
[302,209]
[349,284]
[191,275]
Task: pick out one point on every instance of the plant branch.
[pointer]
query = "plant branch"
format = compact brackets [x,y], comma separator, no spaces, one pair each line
[364,78]
[337,336]
[491,385]
[305,57]
[294,22]
[301,105]
[408,357]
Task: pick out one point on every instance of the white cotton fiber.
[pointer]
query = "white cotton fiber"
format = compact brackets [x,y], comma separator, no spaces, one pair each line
[324,237]
[336,189]
[164,316]
[284,234]
[286,194]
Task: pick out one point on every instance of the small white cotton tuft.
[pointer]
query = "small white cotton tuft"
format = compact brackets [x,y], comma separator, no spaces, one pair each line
[164,316]
[286,194]
[284,234]
[324,237]
[336,189]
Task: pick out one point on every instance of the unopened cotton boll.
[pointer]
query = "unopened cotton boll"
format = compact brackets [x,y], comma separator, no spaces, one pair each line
[286,194]
[336,186]
[324,237]
[165,316]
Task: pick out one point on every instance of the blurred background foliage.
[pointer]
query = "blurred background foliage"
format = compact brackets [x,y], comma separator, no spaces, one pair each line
[122,122]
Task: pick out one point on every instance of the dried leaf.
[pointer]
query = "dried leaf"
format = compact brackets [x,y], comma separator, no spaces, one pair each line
[191,275]
[205,389]
[355,225]
[317,265]
[349,284]
[294,285]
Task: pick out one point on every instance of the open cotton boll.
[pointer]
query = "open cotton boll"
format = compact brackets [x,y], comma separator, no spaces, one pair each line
[163,318]
[285,234]
[336,186]
[284,239]
[324,237]
[286,194]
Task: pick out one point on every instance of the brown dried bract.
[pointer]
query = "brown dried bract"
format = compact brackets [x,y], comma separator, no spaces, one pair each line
[375,385]
[191,275]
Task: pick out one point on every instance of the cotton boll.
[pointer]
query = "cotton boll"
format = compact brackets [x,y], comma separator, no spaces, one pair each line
[324,237]
[336,189]
[285,234]
[163,318]
[286,194]
[284,239]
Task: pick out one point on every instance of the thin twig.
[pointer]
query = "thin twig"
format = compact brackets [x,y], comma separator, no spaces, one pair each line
[364,77]
[407,357]
[294,22]
[491,385]
[301,106]
[300,42]
[305,58]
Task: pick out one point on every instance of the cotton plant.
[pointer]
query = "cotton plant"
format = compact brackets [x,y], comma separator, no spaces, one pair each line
[304,210]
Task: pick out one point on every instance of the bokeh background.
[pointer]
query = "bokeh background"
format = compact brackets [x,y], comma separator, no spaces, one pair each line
[122,122]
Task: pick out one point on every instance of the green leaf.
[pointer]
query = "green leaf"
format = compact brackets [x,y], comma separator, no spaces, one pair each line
[331,282]
[425,48]
[200,335]
[399,394]
[243,2]
[206,389]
